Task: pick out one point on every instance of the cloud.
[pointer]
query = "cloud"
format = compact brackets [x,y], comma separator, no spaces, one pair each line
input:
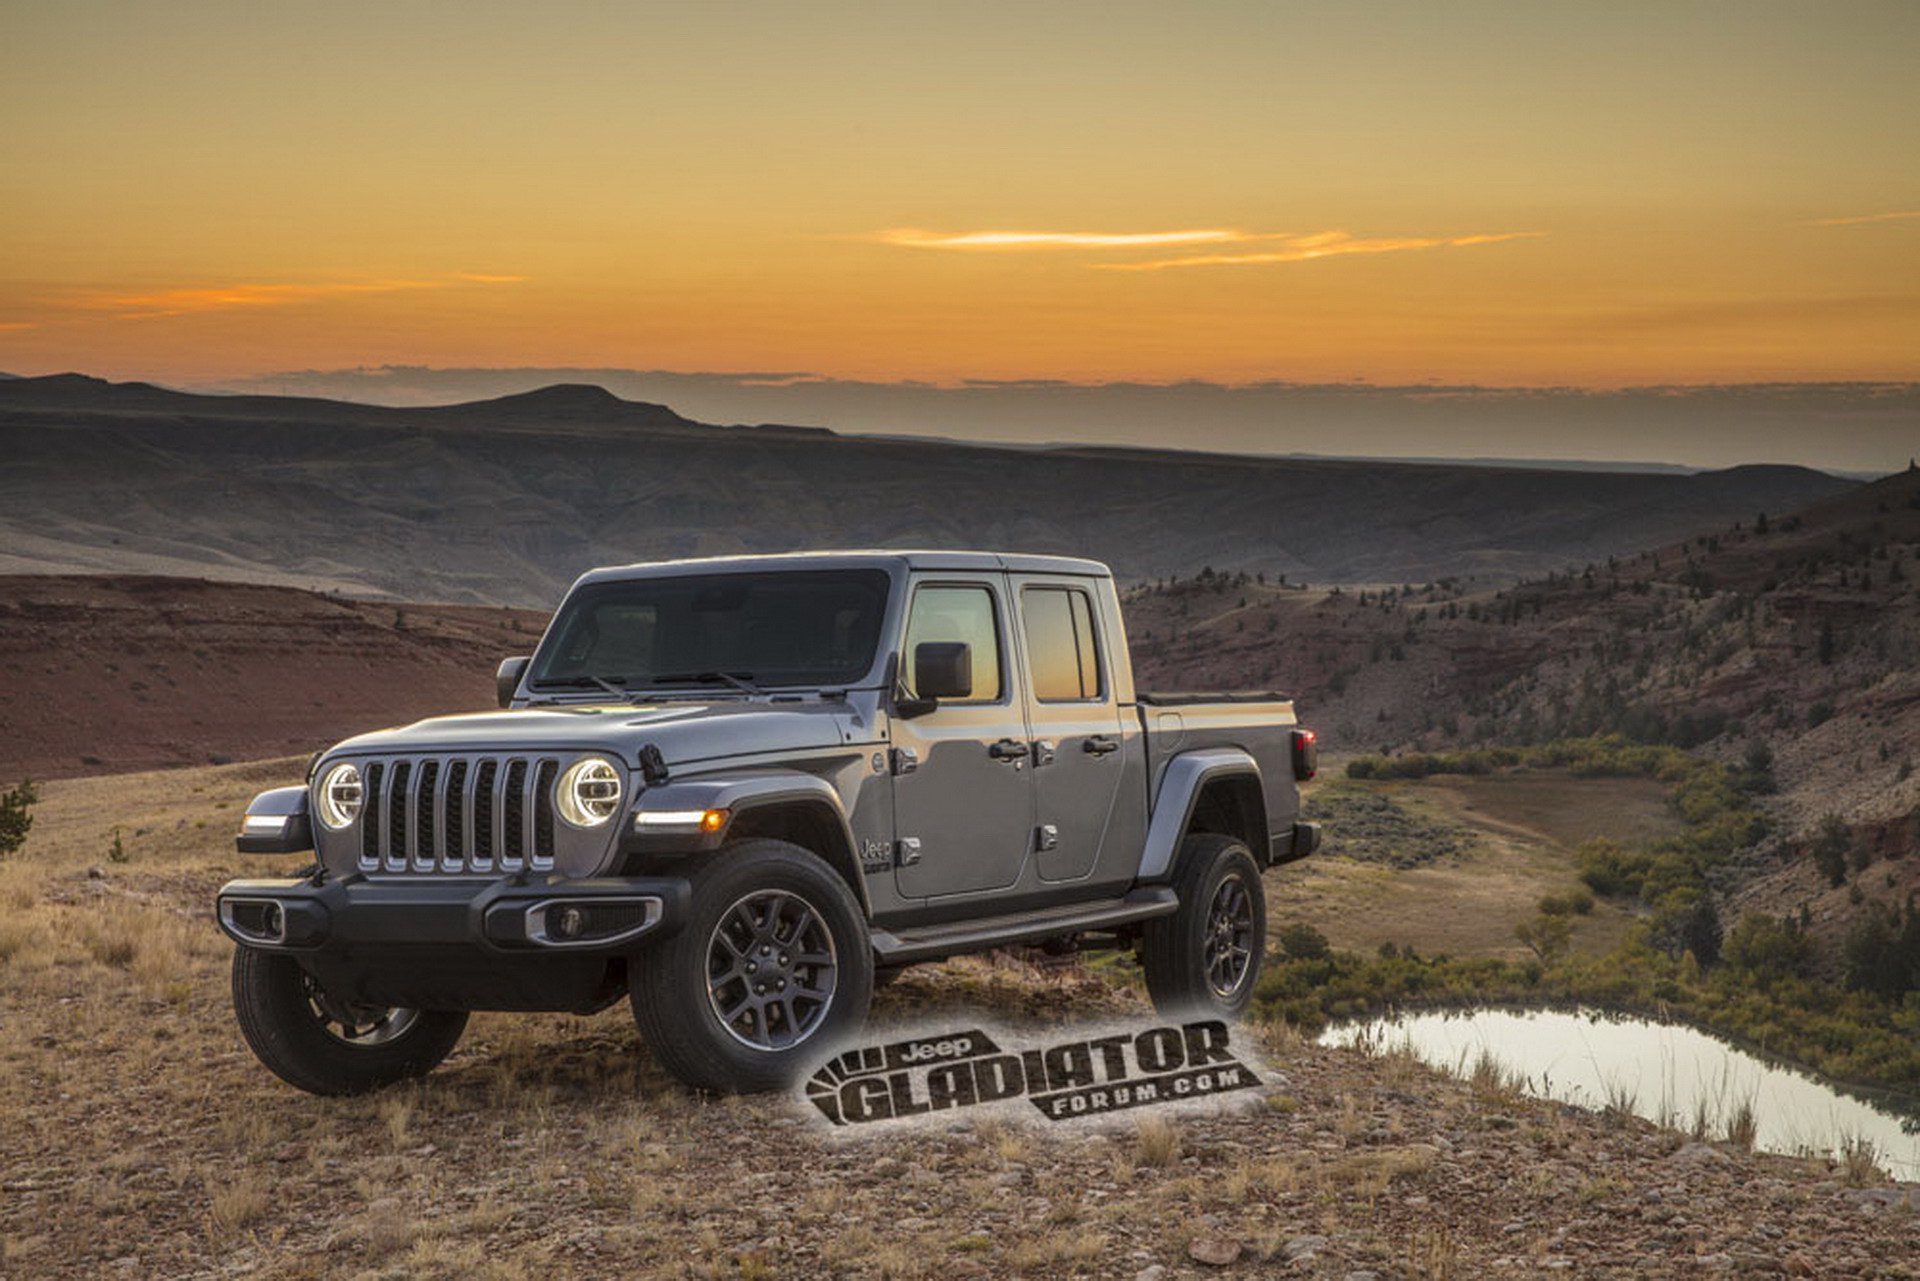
[1286,246]
[1325,244]
[192,299]
[9,326]
[1857,219]
[915,238]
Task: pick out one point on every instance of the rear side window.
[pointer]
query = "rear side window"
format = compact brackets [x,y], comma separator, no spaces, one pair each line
[1062,654]
[958,614]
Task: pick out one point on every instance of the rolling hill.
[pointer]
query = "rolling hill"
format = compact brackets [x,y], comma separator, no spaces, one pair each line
[504,501]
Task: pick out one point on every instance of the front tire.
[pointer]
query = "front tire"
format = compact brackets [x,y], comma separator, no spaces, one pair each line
[772,968]
[1204,959]
[324,1046]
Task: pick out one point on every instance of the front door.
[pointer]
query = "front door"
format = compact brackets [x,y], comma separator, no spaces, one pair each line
[1073,721]
[962,788]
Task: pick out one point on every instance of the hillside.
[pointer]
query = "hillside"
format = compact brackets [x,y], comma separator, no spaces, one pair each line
[108,674]
[1793,639]
[505,501]
[145,1140]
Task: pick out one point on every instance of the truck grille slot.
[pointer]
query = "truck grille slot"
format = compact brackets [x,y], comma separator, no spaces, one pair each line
[459,815]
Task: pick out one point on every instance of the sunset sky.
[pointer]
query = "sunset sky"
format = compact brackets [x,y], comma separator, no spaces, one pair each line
[1518,194]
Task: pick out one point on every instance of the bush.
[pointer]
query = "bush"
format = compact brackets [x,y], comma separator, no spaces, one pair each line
[16,816]
[1768,949]
[1831,846]
[1575,902]
[1304,943]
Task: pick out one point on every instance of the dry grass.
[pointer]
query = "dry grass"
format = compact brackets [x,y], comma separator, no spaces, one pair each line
[1860,1163]
[1525,828]
[1156,1142]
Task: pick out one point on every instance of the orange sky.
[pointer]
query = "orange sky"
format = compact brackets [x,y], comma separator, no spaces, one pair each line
[1499,193]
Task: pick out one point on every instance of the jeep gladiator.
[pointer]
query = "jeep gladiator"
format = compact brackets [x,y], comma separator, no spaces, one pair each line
[742,792]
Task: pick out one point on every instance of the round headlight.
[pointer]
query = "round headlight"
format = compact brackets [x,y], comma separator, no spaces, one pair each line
[588,793]
[340,796]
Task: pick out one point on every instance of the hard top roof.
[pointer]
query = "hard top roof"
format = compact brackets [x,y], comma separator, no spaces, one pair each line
[1010,562]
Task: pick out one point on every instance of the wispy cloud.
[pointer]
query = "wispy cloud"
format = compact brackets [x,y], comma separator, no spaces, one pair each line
[192,299]
[916,238]
[1855,220]
[1324,244]
[1273,246]
[8,326]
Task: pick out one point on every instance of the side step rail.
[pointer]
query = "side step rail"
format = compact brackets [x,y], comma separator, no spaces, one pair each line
[933,941]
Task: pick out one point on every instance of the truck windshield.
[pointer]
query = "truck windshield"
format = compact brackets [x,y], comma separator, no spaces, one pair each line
[797,627]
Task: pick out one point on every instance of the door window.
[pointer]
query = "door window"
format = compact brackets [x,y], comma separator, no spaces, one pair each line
[958,614]
[1061,651]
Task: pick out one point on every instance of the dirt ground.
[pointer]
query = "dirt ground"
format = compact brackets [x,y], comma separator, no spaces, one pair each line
[141,1139]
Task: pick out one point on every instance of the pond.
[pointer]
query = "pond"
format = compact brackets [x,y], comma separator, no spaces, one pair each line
[1667,1073]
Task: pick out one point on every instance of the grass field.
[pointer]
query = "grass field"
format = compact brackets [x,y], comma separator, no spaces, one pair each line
[1514,836]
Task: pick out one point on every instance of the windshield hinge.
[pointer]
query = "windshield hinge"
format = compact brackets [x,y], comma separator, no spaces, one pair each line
[653,766]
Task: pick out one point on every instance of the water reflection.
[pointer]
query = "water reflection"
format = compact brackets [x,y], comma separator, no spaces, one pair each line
[1665,1072]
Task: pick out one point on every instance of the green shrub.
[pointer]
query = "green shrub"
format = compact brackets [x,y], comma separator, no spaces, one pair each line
[16,816]
[1304,943]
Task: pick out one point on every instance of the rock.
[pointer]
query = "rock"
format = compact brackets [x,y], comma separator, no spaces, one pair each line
[1217,1251]
[96,873]
[1153,1272]
[1511,1228]
[1700,1154]
[1303,1247]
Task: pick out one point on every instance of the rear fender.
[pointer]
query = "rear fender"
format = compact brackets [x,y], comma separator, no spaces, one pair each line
[1185,780]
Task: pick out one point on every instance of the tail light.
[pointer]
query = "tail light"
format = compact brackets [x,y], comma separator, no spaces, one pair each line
[1306,754]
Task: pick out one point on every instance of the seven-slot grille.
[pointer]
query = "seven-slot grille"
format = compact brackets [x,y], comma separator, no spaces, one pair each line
[458,814]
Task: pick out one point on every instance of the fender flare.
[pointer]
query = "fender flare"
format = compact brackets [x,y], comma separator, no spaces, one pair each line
[1185,777]
[740,793]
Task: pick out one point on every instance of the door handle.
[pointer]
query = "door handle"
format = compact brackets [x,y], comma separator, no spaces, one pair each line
[1008,749]
[1099,744]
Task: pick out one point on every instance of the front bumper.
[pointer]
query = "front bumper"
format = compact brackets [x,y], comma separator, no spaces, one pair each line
[603,914]
[543,943]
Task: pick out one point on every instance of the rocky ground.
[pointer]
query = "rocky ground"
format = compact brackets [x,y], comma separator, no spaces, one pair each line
[141,1139]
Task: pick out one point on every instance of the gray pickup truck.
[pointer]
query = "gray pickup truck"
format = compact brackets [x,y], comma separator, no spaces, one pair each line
[744,791]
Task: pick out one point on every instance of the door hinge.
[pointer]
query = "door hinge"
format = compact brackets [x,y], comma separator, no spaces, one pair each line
[1046,837]
[909,850]
[905,760]
[1043,753]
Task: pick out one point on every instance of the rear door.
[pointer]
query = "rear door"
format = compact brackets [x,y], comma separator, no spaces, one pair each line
[1073,721]
[962,789]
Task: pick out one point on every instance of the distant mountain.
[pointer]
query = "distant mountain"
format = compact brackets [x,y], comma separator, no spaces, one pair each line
[505,500]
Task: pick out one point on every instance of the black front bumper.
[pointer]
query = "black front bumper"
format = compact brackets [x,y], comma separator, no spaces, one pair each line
[544,943]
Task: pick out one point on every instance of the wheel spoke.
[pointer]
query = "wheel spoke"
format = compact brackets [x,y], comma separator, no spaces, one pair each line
[795,971]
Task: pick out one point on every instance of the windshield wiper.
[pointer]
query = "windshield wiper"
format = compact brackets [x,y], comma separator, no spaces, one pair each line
[615,686]
[742,681]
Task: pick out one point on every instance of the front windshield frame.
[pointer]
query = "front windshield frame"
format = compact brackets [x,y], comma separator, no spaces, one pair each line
[551,673]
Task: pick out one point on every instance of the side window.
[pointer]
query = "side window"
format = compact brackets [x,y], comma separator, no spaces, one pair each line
[957,614]
[1061,650]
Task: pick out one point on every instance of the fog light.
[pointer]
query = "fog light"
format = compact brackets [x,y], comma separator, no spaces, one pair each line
[572,921]
[270,920]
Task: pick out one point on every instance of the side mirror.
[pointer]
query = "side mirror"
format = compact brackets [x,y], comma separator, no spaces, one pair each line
[943,669]
[507,679]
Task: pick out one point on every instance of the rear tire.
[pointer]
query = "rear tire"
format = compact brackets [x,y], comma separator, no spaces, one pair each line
[1204,959]
[323,1046]
[772,970]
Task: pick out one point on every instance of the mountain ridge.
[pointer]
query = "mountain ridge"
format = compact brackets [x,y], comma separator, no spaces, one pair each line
[505,501]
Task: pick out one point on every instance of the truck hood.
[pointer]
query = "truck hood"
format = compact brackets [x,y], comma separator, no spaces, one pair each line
[684,732]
